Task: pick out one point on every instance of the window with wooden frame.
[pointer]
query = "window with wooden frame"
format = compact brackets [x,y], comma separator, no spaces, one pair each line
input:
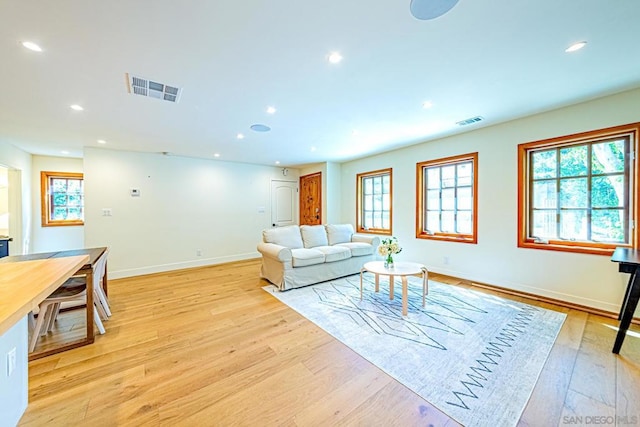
[577,193]
[373,202]
[62,195]
[447,199]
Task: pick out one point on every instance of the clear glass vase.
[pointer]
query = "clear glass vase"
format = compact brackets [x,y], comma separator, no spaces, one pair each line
[388,262]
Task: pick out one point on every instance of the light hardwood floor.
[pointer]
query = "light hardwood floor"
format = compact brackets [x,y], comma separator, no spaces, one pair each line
[208,346]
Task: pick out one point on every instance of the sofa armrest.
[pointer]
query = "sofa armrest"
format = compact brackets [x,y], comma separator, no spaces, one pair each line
[271,250]
[366,238]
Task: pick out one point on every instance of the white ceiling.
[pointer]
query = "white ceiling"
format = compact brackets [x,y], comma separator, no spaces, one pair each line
[499,59]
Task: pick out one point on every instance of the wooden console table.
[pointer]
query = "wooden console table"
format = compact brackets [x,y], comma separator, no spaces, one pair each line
[629,262]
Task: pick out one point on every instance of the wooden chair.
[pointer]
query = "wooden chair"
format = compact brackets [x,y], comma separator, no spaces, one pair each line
[98,290]
[99,296]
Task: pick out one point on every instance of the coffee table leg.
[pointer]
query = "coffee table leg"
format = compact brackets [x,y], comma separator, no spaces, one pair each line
[377,281]
[404,295]
[361,271]
[425,285]
[390,287]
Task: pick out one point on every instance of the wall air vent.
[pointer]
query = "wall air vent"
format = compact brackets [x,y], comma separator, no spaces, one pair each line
[145,87]
[470,121]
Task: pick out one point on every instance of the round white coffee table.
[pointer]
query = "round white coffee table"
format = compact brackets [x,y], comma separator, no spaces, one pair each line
[402,269]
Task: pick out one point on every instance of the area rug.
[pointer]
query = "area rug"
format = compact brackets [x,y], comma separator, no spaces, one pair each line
[474,356]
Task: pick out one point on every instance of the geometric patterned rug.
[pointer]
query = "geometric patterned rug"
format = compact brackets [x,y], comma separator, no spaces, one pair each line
[474,356]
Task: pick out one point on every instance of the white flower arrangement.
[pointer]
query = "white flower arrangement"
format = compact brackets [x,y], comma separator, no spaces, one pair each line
[388,248]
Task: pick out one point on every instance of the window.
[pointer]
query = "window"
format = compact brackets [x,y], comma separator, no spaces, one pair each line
[62,198]
[576,193]
[374,196]
[447,199]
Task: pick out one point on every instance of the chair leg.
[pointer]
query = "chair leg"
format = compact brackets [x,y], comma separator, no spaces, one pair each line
[42,316]
[52,315]
[32,321]
[103,301]
[97,320]
[100,306]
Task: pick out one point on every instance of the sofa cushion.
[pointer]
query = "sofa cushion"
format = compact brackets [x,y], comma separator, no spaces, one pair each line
[313,235]
[288,236]
[303,257]
[339,233]
[334,253]
[358,248]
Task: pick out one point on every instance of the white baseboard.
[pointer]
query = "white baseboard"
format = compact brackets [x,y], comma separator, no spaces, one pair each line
[534,291]
[151,269]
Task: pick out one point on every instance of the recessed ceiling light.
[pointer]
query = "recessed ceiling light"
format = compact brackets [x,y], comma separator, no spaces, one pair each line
[575,46]
[335,57]
[277,162]
[427,104]
[32,46]
[240,136]
[216,155]
[102,141]
[76,107]
[355,132]
[64,152]
[313,148]
[271,109]
[260,128]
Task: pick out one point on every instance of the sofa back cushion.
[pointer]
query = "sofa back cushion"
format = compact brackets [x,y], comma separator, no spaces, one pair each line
[313,235]
[288,236]
[339,233]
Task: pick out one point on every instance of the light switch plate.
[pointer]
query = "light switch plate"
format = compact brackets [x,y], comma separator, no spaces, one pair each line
[11,361]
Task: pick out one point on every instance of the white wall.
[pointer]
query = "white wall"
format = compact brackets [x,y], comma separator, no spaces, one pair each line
[47,239]
[20,164]
[185,205]
[589,280]
[332,188]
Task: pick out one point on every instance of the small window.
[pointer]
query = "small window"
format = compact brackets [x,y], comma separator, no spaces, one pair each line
[62,198]
[447,199]
[374,196]
[576,193]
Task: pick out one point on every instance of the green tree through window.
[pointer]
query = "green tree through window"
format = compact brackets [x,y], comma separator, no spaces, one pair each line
[62,198]
[589,180]
[577,194]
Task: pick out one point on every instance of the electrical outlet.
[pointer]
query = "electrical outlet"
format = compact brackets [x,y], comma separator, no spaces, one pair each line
[11,361]
[106,212]
[445,260]
[198,252]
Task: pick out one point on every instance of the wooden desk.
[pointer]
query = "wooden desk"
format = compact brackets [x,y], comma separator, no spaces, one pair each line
[86,269]
[629,262]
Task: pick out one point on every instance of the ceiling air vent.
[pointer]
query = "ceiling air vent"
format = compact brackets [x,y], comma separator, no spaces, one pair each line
[470,121]
[145,87]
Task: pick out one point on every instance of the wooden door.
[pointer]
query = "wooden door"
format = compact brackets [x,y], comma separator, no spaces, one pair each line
[311,199]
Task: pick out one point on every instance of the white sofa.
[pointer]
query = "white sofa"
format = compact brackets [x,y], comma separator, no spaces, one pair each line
[295,256]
